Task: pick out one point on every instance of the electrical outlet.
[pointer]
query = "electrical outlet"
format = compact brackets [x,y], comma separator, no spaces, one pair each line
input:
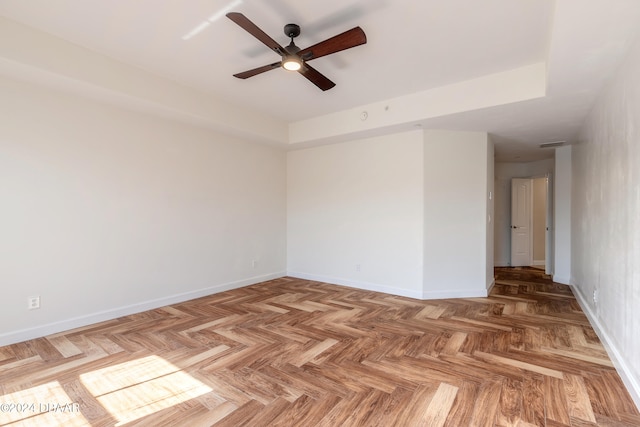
[254,263]
[357,267]
[595,296]
[33,302]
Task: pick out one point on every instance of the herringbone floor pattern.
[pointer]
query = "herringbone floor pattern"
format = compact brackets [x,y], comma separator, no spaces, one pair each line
[291,352]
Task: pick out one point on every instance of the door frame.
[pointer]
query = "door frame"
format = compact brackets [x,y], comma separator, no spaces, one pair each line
[549,225]
[530,218]
[549,229]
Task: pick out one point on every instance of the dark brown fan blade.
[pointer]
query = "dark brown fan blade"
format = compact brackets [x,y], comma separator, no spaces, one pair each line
[315,77]
[348,39]
[255,71]
[256,32]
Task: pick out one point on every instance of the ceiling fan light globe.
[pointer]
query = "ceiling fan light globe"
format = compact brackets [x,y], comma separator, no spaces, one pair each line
[292,64]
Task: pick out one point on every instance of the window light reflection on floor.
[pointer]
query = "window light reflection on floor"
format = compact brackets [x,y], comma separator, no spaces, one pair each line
[141,387]
[45,405]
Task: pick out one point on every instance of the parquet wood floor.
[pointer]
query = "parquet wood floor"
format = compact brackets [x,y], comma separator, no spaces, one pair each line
[292,352]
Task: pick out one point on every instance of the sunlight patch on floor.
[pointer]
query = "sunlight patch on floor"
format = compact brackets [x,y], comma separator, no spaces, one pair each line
[135,389]
[45,405]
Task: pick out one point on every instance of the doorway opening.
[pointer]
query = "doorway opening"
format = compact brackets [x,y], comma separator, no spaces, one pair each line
[531,214]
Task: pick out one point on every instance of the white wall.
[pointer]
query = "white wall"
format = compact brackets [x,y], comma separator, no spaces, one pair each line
[506,87]
[33,55]
[456,197]
[354,213]
[490,197]
[405,214]
[504,172]
[539,219]
[562,216]
[106,212]
[605,239]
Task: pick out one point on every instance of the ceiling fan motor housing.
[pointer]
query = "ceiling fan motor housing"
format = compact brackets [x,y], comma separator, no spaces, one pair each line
[292,30]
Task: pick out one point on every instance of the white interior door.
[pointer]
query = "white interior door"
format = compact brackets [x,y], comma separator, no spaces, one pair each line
[521,222]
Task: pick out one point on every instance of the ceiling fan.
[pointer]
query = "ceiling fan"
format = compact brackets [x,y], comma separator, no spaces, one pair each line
[294,58]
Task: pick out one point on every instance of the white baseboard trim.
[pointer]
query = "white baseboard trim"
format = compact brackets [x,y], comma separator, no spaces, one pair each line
[455,293]
[80,321]
[357,284]
[493,283]
[410,293]
[538,262]
[621,365]
[562,280]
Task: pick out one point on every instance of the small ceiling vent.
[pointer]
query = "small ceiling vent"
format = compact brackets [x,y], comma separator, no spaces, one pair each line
[552,144]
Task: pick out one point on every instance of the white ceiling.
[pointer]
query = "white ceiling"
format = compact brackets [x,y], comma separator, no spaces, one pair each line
[413,46]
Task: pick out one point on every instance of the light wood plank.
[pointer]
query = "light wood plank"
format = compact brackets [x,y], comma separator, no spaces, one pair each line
[440,406]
